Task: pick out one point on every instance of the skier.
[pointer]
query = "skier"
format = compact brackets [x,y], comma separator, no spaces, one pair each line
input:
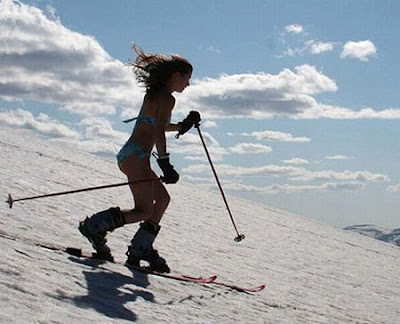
[161,75]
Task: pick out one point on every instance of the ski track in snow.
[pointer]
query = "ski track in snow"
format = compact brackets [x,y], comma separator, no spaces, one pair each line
[314,273]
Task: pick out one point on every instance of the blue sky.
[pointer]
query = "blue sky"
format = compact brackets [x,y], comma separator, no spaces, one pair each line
[299,99]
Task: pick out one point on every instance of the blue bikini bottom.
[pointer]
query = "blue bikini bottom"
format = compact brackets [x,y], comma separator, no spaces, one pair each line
[130,148]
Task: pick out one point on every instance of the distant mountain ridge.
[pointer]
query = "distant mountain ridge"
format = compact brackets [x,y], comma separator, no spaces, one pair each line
[389,236]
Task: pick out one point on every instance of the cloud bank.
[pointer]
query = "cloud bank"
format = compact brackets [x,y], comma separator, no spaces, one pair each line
[42,123]
[250,148]
[276,136]
[41,60]
[324,180]
[258,95]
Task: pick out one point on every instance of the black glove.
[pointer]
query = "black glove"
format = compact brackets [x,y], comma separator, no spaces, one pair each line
[192,119]
[170,175]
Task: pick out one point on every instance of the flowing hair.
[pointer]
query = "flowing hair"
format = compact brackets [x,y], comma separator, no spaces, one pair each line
[153,71]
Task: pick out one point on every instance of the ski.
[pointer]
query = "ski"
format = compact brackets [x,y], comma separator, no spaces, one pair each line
[92,255]
[77,252]
[254,289]
[238,288]
[210,280]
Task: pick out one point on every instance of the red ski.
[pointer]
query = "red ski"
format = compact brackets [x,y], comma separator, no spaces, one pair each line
[201,280]
[92,255]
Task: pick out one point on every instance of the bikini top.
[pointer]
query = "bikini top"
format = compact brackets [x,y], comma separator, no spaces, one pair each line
[146,119]
[142,118]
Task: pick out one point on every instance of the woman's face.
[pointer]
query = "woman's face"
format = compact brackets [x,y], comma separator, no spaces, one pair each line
[180,81]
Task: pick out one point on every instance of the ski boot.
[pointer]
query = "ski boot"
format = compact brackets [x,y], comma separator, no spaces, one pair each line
[141,249]
[95,229]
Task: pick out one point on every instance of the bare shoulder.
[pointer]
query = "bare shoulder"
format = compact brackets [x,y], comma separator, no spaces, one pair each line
[152,104]
[166,103]
[166,99]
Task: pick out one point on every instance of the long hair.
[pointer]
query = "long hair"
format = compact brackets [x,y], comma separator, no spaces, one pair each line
[154,70]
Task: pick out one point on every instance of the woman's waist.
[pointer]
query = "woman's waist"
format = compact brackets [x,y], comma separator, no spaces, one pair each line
[144,145]
[131,148]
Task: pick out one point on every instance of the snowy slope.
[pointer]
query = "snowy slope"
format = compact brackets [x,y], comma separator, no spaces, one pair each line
[314,273]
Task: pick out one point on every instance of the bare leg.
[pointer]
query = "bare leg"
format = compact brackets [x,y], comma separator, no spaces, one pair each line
[161,202]
[151,198]
[142,194]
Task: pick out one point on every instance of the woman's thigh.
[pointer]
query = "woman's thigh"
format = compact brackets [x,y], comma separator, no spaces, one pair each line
[135,169]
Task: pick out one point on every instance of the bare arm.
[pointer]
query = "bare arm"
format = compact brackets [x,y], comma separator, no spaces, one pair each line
[166,104]
[173,128]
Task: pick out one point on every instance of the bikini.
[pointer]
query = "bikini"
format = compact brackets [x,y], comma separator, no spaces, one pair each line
[129,147]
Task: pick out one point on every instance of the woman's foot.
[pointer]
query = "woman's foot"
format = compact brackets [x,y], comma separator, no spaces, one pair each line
[96,227]
[141,248]
[156,263]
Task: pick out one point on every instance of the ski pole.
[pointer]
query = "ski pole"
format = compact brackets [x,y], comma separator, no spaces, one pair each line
[239,237]
[11,201]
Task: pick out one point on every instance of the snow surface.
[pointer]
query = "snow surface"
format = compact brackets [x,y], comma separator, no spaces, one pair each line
[314,273]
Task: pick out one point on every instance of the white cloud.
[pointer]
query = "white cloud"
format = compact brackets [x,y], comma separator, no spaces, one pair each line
[290,189]
[250,148]
[296,161]
[230,170]
[394,188]
[199,181]
[361,50]
[101,129]
[88,109]
[42,123]
[95,135]
[321,47]
[334,112]
[360,176]
[51,11]
[294,29]
[293,173]
[337,157]
[292,52]
[276,136]
[310,46]
[258,95]
[194,158]
[43,61]
[210,49]
[190,145]
[209,124]
[213,49]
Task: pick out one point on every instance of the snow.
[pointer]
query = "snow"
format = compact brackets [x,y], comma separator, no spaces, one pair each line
[314,273]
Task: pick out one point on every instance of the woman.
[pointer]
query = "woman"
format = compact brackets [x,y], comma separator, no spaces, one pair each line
[161,76]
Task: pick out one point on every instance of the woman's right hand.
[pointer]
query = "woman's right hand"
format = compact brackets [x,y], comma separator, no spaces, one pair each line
[193,119]
[170,174]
